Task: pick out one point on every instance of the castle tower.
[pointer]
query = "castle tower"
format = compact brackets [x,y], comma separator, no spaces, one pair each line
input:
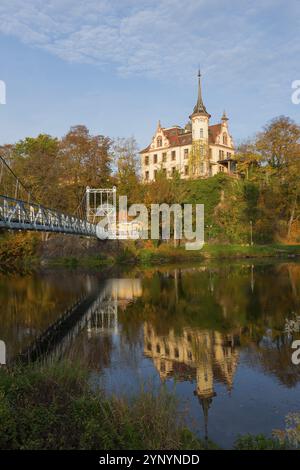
[224,119]
[199,161]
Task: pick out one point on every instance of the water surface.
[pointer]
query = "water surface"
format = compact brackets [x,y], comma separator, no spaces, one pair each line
[213,333]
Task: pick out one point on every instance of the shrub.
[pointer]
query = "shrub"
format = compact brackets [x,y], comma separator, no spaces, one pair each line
[54,408]
[258,442]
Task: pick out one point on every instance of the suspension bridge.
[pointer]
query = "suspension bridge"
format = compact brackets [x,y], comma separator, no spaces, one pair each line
[20,211]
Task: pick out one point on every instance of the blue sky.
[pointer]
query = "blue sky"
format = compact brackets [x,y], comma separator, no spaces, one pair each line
[119,66]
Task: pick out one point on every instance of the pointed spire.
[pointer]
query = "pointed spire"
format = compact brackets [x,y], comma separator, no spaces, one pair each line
[158,125]
[199,107]
[224,117]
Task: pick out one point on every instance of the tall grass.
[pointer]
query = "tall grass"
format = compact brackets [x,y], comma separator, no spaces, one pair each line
[54,408]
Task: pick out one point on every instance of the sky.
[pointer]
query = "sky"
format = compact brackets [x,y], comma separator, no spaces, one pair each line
[119,66]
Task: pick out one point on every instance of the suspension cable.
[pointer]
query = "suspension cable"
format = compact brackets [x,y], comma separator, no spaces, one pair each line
[18,181]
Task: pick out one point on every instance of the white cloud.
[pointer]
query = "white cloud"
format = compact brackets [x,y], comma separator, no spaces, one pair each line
[156,38]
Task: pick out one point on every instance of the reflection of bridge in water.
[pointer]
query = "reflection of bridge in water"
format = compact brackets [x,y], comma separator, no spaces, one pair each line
[97,312]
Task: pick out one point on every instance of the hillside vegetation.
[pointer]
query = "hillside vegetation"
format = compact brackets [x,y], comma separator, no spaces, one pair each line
[261,205]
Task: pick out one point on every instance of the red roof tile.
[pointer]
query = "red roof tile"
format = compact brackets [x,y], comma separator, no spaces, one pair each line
[213,132]
[178,137]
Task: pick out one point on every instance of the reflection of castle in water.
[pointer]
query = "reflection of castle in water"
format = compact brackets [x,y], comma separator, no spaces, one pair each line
[201,355]
[117,293]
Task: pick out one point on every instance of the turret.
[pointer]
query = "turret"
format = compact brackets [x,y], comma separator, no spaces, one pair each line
[200,117]
[224,119]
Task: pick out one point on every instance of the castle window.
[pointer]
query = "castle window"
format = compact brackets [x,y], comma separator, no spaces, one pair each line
[186,170]
[164,171]
[201,168]
[159,142]
[190,355]
[173,155]
[158,348]
[225,138]
[167,351]
[149,346]
[147,160]
[176,352]
[186,153]
[164,157]
[201,151]
[210,153]
[155,158]
[155,174]
[228,154]
[173,170]
[201,133]
[146,175]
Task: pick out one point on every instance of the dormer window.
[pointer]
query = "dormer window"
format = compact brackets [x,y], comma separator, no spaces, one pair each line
[201,133]
[225,138]
[159,141]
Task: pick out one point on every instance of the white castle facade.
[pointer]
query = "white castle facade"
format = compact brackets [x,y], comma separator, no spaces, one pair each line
[198,150]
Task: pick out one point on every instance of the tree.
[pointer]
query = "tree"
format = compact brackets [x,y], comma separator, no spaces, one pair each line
[165,190]
[35,160]
[279,145]
[127,165]
[86,161]
[248,160]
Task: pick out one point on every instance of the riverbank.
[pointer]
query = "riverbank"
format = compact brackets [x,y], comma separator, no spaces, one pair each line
[27,251]
[166,254]
[53,407]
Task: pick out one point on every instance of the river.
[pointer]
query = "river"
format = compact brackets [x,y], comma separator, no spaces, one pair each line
[214,334]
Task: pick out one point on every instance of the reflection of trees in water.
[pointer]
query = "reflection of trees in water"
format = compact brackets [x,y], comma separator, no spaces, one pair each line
[91,351]
[28,304]
[272,355]
[246,301]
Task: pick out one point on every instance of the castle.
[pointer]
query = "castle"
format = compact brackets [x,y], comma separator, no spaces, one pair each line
[198,150]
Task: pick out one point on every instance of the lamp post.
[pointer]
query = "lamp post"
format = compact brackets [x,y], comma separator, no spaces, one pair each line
[251,232]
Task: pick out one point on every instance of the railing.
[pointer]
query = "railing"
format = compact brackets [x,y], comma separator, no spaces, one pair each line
[91,311]
[16,214]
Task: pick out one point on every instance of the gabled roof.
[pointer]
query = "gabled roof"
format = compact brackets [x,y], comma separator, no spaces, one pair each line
[178,137]
[213,132]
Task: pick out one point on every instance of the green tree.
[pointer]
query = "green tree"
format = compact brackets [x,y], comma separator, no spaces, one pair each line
[36,162]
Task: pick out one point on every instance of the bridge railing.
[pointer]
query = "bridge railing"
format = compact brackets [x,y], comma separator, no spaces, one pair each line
[16,214]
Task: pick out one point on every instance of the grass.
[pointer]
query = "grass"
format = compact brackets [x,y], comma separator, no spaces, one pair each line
[85,262]
[149,255]
[168,254]
[257,442]
[54,408]
[240,251]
